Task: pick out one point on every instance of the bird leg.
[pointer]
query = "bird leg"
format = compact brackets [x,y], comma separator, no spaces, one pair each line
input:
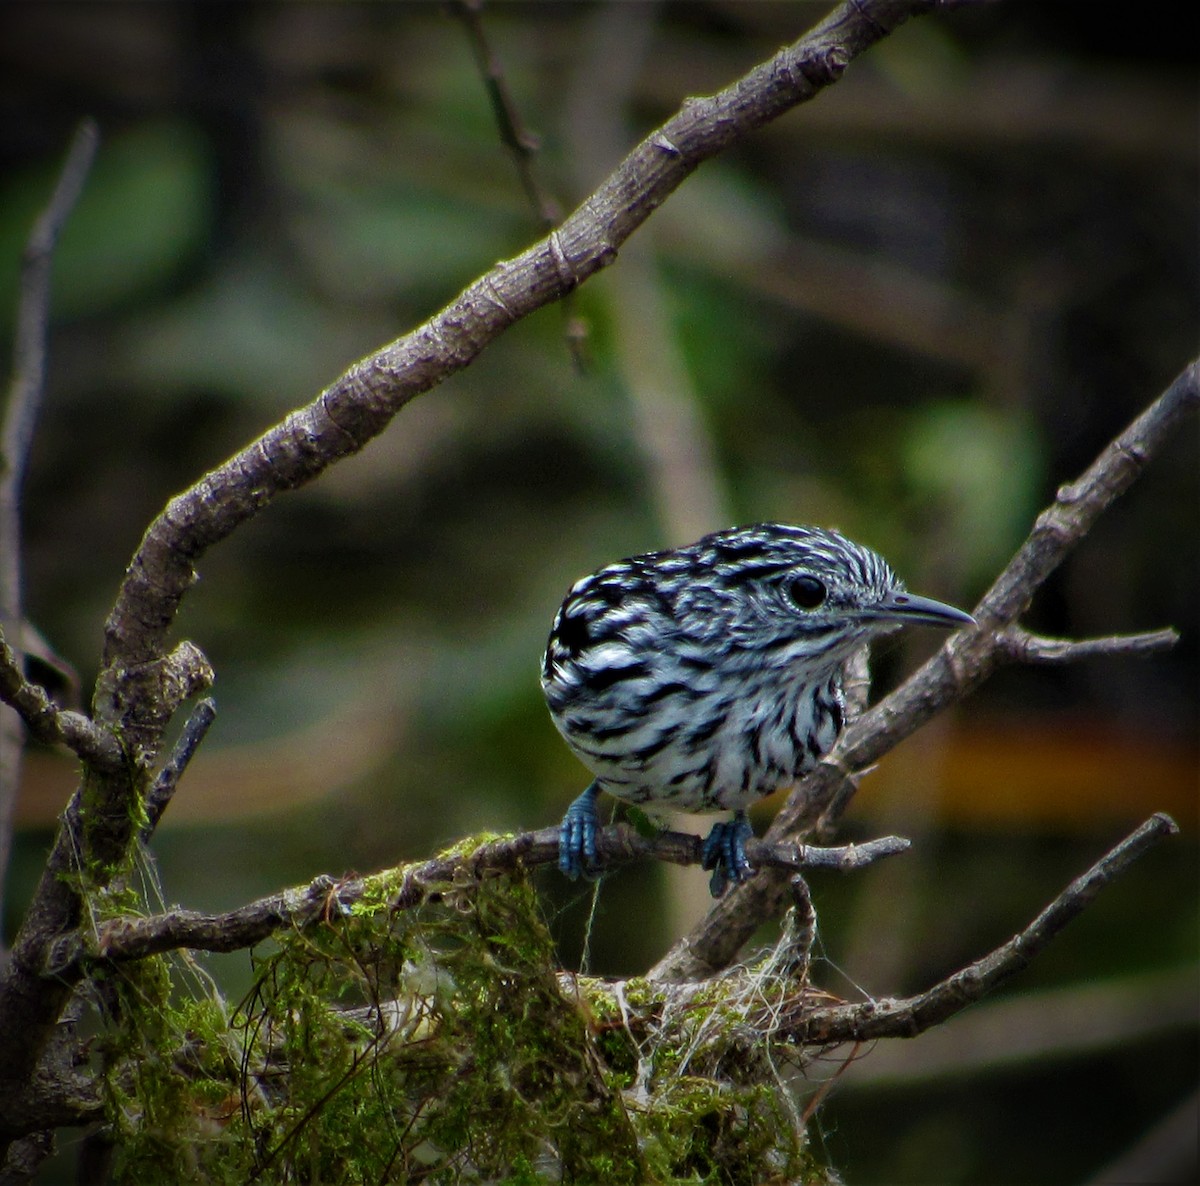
[724,852]
[577,835]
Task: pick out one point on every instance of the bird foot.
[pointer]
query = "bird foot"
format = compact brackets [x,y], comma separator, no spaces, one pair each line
[577,836]
[724,852]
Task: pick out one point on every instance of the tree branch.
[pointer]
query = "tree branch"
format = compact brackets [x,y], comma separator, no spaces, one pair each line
[122,939]
[961,665]
[50,724]
[194,732]
[780,1007]
[33,311]
[515,134]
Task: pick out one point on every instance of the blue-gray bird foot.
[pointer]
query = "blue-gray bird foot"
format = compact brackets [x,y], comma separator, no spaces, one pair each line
[724,852]
[577,836]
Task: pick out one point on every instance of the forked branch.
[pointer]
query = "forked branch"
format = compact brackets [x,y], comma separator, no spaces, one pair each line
[50,724]
[782,1008]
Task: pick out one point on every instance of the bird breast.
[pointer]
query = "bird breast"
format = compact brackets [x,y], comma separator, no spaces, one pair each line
[679,735]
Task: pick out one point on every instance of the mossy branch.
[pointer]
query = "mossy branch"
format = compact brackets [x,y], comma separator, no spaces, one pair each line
[120,940]
[777,1003]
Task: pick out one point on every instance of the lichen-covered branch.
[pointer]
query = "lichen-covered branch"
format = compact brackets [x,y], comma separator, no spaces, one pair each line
[961,665]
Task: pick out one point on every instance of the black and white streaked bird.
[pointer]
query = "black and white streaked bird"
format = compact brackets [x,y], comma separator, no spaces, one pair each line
[706,677]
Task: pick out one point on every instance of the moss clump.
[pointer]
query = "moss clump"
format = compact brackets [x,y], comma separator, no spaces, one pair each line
[475,1069]
[436,1044]
[168,1081]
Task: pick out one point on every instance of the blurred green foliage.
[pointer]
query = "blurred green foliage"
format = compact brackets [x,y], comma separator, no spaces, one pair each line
[979,471]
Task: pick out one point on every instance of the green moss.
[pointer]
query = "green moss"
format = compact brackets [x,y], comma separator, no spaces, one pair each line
[110,819]
[483,1070]
[168,1079]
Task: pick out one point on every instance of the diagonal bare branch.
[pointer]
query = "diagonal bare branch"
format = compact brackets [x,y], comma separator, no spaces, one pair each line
[361,403]
[961,665]
[913,1015]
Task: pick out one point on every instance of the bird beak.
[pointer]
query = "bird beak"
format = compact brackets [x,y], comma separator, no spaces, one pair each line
[911,609]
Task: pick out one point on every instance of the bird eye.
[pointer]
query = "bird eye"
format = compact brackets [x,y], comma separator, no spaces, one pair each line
[806,592]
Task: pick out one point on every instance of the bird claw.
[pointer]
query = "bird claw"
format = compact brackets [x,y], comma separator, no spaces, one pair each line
[577,837]
[724,852]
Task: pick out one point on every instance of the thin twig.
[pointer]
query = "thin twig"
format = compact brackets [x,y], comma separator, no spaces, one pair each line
[1021,646]
[523,144]
[198,725]
[1063,1021]
[521,141]
[33,312]
[20,415]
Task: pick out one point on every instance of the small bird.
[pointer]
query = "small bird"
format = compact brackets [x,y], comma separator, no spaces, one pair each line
[706,677]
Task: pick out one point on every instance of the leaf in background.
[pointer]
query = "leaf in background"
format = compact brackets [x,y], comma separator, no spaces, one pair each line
[980,469]
[926,63]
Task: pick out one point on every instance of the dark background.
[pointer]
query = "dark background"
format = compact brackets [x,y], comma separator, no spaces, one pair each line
[909,309]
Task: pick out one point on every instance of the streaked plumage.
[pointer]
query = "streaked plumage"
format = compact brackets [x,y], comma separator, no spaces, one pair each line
[708,676]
